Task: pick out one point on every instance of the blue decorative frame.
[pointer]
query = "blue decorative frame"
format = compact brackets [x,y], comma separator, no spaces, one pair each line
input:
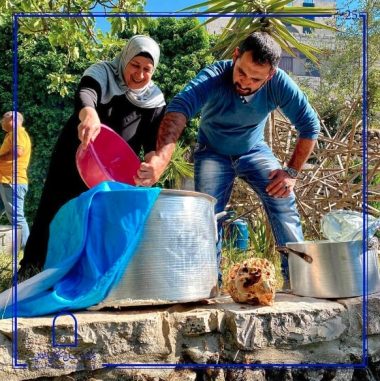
[349,14]
[53,339]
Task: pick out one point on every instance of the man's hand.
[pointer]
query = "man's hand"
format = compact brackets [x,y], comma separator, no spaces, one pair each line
[89,127]
[281,185]
[151,170]
[171,128]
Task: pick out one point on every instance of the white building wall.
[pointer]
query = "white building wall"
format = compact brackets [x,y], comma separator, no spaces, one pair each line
[320,38]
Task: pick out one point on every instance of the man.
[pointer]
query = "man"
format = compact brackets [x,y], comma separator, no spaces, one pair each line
[235,98]
[7,181]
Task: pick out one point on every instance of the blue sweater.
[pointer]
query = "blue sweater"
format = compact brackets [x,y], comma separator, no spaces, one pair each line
[232,127]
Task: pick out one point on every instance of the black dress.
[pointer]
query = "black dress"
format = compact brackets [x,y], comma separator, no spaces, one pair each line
[138,126]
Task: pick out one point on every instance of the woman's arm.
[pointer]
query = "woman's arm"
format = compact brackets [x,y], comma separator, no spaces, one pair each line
[86,102]
[89,127]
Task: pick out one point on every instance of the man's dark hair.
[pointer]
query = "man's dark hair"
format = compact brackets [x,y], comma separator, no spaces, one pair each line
[263,47]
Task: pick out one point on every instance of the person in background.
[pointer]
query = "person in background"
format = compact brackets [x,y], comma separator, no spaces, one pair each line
[8,185]
[119,94]
[235,98]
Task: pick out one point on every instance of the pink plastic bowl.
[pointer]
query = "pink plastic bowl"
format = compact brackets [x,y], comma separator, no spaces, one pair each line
[107,158]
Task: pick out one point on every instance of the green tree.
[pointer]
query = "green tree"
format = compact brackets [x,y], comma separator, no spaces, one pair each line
[76,36]
[44,109]
[339,97]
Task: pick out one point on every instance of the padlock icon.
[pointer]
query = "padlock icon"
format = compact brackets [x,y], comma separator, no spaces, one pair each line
[63,340]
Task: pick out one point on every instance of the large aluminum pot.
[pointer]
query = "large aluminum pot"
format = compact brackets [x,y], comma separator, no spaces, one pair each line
[176,259]
[336,269]
[6,239]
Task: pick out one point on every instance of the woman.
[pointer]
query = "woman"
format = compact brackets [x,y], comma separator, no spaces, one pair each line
[119,94]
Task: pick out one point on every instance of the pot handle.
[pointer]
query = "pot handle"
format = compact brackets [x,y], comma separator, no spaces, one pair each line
[300,254]
[220,215]
[217,217]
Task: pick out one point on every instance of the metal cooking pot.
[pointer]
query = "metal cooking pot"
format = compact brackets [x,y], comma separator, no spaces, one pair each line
[176,259]
[336,270]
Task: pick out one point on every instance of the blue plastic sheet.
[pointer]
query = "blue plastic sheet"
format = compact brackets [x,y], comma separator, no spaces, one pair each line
[92,239]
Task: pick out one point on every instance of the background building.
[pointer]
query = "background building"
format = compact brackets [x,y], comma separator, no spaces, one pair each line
[299,65]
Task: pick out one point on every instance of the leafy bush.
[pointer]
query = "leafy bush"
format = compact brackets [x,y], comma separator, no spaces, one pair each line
[45,110]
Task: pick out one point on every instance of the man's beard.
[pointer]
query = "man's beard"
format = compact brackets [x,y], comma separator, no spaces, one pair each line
[241,91]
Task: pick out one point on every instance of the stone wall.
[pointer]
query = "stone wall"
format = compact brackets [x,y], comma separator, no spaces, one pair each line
[213,341]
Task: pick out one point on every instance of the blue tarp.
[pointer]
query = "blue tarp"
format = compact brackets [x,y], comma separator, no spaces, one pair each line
[92,239]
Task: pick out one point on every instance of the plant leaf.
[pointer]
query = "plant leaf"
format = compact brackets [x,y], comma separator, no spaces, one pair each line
[205,4]
[304,49]
[309,10]
[238,29]
[307,23]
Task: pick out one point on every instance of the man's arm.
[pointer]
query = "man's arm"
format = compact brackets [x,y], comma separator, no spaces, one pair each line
[293,102]
[8,153]
[282,183]
[4,154]
[182,108]
[6,148]
[171,128]
[301,153]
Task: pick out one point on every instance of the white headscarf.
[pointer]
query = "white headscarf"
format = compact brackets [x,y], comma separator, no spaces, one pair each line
[110,74]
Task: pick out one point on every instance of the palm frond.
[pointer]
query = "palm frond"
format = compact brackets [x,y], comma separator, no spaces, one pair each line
[307,23]
[238,28]
[178,169]
[205,4]
[308,10]
[305,49]
[211,19]
[284,45]
[276,4]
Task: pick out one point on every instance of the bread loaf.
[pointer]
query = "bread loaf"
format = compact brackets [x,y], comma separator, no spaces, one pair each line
[252,281]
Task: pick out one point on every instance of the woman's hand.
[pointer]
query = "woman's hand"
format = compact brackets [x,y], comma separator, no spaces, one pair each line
[89,127]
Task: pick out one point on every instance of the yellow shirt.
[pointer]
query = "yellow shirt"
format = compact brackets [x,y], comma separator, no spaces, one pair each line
[23,141]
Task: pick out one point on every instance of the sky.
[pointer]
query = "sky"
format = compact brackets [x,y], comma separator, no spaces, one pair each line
[152,6]
[175,5]
[169,5]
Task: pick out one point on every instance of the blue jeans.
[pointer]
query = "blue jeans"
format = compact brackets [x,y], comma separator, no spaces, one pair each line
[215,174]
[6,204]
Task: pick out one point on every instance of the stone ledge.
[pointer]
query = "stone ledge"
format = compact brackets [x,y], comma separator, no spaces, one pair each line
[294,330]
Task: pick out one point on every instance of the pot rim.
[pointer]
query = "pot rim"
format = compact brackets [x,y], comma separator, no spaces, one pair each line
[323,242]
[180,192]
